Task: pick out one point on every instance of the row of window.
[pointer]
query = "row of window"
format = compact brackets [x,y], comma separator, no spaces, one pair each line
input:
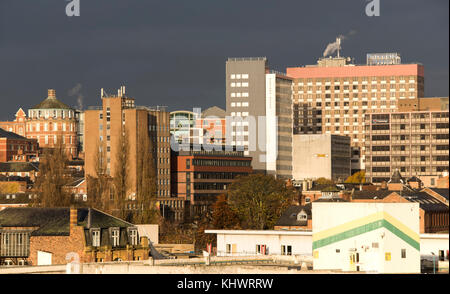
[243,94]
[245,84]
[239,76]
[36,127]
[357,79]
[218,162]
[50,113]
[239,104]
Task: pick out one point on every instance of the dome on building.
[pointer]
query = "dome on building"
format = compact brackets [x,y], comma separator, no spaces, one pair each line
[51,102]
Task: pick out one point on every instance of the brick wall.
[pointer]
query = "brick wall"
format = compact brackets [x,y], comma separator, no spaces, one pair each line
[59,246]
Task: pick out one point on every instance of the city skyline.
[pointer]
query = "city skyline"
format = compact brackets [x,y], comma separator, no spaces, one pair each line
[113,52]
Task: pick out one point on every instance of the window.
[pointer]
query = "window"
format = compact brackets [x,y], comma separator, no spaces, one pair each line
[302,216]
[95,238]
[115,237]
[286,250]
[133,237]
[261,249]
[188,163]
[403,253]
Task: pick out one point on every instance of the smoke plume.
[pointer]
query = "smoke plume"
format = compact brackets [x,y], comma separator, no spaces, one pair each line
[76,91]
[333,47]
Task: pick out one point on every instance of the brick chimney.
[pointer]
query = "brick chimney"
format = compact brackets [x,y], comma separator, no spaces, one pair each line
[51,93]
[73,218]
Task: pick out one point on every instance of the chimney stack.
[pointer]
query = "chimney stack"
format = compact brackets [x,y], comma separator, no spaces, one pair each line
[73,217]
[51,93]
[89,222]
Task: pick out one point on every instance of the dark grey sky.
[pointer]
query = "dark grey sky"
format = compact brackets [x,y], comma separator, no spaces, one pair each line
[173,52]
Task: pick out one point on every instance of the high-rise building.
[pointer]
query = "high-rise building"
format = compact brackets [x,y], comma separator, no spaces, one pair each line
[259,114]
[333,96]
[117,118]
[415,142]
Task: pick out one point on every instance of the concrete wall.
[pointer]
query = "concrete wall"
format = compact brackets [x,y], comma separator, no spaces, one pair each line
[321,155]
[433,243]
[311,157]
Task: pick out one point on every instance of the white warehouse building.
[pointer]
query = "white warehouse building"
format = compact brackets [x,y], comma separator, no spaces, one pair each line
[370,237]
[267,242]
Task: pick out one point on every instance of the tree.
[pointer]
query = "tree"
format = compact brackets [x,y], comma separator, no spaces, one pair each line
[223,217]
[323,181]
[357,178]
[259,200]
[121,177]
[53,178]
[98,185]
[146,187]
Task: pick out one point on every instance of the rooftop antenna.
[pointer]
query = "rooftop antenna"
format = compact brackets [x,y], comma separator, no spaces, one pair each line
[102,93]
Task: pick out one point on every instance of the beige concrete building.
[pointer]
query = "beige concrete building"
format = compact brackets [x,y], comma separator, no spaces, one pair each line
[118,116]
[321,155]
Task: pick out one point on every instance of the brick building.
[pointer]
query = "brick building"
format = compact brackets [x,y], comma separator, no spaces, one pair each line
[14,147]
[200,176]
[47,122]
[118,116]
[43,236]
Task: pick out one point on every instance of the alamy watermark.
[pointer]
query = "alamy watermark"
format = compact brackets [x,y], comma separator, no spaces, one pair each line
[73,8]
[373,8]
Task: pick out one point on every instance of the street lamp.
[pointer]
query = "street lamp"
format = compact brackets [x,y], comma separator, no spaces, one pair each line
[434,268]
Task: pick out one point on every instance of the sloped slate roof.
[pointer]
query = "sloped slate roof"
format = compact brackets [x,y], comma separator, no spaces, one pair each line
[441,191]
[10,135]
[379,194]
[51,103]
[55,221]
[426,201]
[19,166]
[289,217]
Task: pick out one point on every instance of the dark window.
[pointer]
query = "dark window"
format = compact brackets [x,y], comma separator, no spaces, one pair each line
[380,169]
[403,253]
[188,163]
[380,127]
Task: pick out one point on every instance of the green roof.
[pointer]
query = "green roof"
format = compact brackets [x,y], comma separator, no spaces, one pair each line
[51,103]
